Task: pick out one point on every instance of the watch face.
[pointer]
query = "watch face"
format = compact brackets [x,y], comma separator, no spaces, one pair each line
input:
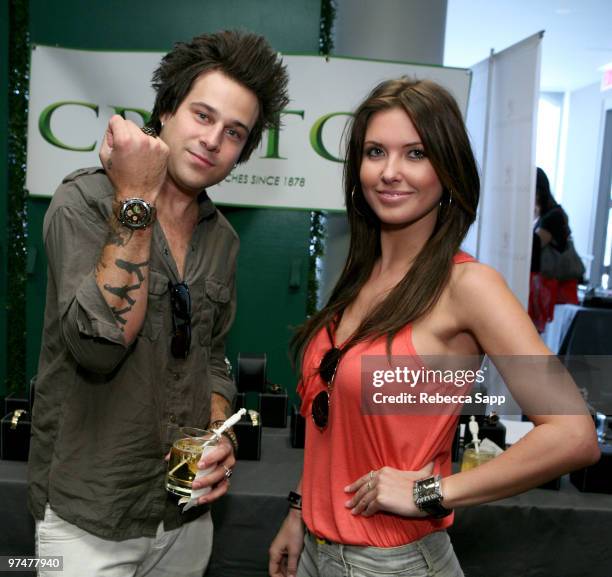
[135,213]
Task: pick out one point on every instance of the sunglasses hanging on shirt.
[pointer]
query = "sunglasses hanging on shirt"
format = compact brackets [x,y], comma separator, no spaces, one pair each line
[327,371]
[181,319]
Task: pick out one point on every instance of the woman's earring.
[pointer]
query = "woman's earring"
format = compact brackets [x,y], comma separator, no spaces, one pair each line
[357,211]
[450,199]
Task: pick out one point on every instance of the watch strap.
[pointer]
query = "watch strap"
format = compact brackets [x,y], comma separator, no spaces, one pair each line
[295,500]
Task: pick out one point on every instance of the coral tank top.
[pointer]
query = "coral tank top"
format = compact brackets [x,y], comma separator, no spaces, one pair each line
[355,443]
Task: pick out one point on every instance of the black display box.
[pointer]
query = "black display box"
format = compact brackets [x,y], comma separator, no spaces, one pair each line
[14,402]
[493,430]
[273,408]
[248,432]
[15,430]
[251,372]
[596,478]
[16,426]
[298,428]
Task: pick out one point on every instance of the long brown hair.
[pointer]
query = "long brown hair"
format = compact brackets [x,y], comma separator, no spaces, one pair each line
[437,119]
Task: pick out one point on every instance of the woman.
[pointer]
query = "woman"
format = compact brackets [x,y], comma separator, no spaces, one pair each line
[551,230]
[411,188]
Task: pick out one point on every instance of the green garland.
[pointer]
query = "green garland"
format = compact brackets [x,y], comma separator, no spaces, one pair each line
[326,25]
[19,64]
[318,218]
[316,250]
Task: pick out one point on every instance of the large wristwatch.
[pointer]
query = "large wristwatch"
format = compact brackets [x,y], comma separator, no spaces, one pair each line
[428,497]
[136,213]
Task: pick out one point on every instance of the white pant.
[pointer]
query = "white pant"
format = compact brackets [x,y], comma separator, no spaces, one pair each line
[182,552]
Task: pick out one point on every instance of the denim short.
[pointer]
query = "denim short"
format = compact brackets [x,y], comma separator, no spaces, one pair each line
[431,556]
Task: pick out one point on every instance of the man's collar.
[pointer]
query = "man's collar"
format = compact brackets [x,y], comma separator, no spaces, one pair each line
[206,207]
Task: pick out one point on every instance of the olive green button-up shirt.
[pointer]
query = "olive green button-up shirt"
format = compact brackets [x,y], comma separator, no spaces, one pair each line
[105,414]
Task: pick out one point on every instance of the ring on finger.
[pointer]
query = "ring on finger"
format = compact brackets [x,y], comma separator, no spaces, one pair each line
[228,472]
[371,478]
[149,131]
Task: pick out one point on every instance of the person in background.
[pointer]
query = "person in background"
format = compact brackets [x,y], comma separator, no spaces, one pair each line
[377,491]
[140,298]
[551,228]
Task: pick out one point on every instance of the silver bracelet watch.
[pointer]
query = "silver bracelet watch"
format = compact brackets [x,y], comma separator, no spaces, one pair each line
[428,497]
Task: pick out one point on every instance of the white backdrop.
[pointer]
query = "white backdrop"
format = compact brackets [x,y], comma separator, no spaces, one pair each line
[503,133]
[502,121]
[86,87]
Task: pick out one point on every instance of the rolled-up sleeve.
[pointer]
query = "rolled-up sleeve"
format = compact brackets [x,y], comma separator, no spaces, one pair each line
[73,243]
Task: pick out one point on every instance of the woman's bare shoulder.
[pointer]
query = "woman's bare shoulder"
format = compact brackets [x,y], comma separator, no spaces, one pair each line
[472,278]
[483,302]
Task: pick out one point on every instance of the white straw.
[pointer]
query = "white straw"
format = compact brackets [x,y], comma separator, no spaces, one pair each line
[216,434]
[224,427]
[229,422]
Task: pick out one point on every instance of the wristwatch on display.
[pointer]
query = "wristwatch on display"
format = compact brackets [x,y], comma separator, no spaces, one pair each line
[136,213]
[428,497]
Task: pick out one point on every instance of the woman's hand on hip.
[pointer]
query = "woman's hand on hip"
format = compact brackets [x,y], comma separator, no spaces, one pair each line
[386,489]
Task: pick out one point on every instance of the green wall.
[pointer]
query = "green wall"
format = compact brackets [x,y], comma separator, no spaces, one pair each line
[273,254]
[274,242]
[4,31]
[157,24]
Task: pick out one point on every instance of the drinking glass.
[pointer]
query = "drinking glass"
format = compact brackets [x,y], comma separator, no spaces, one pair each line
[472,458]
[186,451]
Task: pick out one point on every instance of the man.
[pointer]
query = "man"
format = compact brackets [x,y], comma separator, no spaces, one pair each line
[140,298]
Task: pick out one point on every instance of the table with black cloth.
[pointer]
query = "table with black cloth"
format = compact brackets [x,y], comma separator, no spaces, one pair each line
[578,330]
[541,533]
[590,333]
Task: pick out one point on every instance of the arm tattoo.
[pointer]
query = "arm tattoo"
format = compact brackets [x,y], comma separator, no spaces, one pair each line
[123,292]
[118,235]
[132,267]
[119,315]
